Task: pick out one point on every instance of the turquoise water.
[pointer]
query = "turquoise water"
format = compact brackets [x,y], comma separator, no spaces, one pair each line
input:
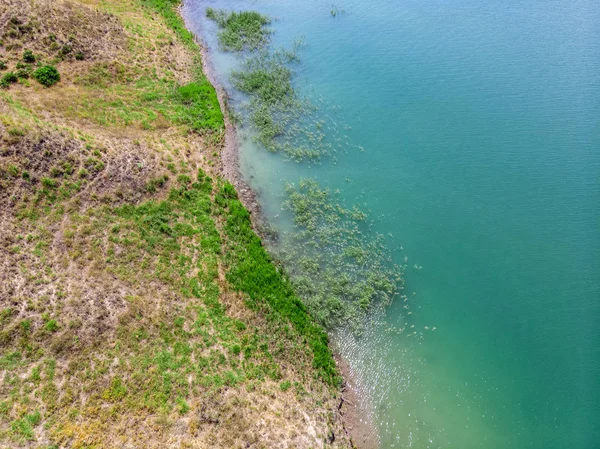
[481,128]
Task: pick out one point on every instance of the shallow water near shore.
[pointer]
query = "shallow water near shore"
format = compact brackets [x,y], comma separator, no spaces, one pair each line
[480,124]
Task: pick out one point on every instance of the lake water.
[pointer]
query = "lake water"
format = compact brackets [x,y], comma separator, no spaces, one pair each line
[481,128]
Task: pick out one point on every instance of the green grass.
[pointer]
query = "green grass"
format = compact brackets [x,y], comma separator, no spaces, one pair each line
[121,95]
[172,353]
[252,271]
[168,10]
[147,101]
[23,428]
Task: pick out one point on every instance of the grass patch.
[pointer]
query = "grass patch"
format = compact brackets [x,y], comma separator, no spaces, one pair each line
[151,103]
[252,271]
[22,429]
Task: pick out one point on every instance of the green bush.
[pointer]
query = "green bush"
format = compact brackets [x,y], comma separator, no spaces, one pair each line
[3,65]
[8,79]
[28,56]
[47,75]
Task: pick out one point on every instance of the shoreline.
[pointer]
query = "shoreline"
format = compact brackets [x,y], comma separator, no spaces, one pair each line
[357,425]
[229,163]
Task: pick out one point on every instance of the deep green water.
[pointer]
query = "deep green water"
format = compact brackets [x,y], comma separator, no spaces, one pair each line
[481,128]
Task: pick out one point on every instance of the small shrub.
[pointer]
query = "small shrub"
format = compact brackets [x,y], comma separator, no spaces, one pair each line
[285,386]
[13,170]
[156,183]
[28,56]
[23,73]
[8,79]
[26,325]
[49,183]
[51,326]
[79,56]
[3,65]
[47,75]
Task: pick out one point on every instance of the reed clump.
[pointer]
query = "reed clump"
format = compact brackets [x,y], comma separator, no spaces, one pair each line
[244,30]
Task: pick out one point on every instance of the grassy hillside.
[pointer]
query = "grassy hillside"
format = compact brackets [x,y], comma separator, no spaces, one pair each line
[137,306]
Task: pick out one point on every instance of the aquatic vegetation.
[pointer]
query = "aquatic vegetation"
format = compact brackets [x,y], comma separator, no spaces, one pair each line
[335,11]
[281,121]
[266,78]
[337,267]
[241,31]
